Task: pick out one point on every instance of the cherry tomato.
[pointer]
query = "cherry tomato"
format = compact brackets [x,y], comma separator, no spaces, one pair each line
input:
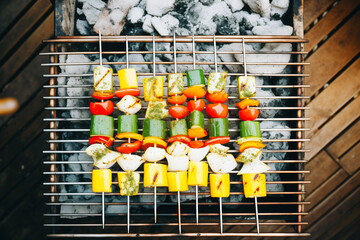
[197,132]
[102,108]
[247,102]
[217,140]
[196,144]
[102,95]
[107,141]
[198,105]
[217,110]
[178,111]
[130,91]
[218,97]
[177,99]
[194,91]
[248,114]
[181,138]
[129,147]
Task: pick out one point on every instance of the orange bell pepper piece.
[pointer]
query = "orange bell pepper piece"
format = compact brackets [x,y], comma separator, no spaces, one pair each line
[197,132]
[194,91]
[247,102]
[251,145]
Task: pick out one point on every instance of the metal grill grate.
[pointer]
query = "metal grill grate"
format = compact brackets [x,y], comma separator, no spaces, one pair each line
[280,208]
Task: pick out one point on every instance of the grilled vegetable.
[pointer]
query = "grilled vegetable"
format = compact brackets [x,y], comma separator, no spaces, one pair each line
[217,97]
[154,154]
[198,154]
[249,144]
[129,104]
[198,174]
[107,141]
[255,166]
[247,102]
[180,138]
[102,125]
[221,163]
[129,135]
[247,139]
[154,128]
[102,95]
[178,149]
[103,79]
[175,84]
[195,119]
[220,185]
[103,157]
[197,132]
[250,129]
[248,114]
[249,155]
[217,110]
[197,105]
[219,127]
[101,180]
[196,144]
[129,162]
[195,77]
[153,141]
[101,108]
[219,149]
[156,110]
[127,124]
[217,140]
[178,111]
[254,185]
[127,78]
[129,147]
[153,89]
[216,82]
[178,181]
[178,127]
[130,91]
[155,175]
[177,163]
[177,99]
[128,183]
[247,87]
[194,91]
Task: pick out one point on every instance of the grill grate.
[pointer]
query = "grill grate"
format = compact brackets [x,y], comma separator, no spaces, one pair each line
[280,208]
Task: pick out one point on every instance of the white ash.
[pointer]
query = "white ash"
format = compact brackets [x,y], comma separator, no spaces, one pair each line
[159,7]
[235,5]
[117,208]
[61,91]
[82,26]
[77,69]
[92,10]
[259,6]
[267,102]
[230,57]
[279,8]
[135,15]
[147,25]
[165,25]
[273,28]
[81,91]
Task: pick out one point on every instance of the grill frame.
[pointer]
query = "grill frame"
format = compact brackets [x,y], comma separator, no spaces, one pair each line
[299,130]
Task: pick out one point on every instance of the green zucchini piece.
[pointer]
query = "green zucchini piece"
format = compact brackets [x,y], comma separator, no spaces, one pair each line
[127,123]
[195,77]
[247,87]
[250,129]
[154,128]
[175,84]
[178,127]
[102,125]
[195,119]
[216,82]
[218,127]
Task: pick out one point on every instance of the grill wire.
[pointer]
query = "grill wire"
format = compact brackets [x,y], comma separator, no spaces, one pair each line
[285,208]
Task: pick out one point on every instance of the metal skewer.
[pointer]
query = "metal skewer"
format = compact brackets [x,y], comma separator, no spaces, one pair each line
[155,210]
[255,198]
[128,197]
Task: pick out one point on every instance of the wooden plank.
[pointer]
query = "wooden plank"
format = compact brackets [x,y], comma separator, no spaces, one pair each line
[327,165]
[350,232]
[334,54]
[334,127]
[10,10]
[350,161]
[325,189]
[23,26]
[332,218]
[324,105]
[345,141]
[314,9]
[26,50]
[327,24]
[335,198]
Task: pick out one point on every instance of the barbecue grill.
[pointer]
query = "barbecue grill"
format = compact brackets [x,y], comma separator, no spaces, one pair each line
[236,218]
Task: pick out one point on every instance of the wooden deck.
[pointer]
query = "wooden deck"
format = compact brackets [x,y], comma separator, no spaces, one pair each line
[332,28]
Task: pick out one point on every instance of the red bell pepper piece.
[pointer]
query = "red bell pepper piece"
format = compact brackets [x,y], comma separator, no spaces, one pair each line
[218,97]
[102,108]
[107,141]
[129,147]
[198,105]
[102,95]
[177,99]
[196,144]
[248,114]
[130,91]
[217,110]
[217,140]
[181,138]
[178,111]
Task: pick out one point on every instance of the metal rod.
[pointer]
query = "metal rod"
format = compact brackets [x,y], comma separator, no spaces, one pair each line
[193,48]
[257,216]
[179,211]
[154,55]
[175,63]
[244,56]
[127,51]
[100,48]
[103,209]
[215,55]
[197,203]
[155,211]
[128,214]
[221,215]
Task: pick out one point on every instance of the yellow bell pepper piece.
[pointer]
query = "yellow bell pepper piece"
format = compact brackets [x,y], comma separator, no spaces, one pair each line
[155,175]
[128,183]
[254,185]
[151,141]
[101,180]
[177,181]
[153,88]
[220,185]
[198,174]
[128,78]
[130,135]
[103,81]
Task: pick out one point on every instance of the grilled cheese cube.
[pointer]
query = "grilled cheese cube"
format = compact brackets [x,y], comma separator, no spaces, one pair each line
[220,185]
[128,183]
[254,185]
[101,180]
[247,87]
[128,78]
[198,174]
[155,175]
[153,88]
[177,181]
[103,81]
